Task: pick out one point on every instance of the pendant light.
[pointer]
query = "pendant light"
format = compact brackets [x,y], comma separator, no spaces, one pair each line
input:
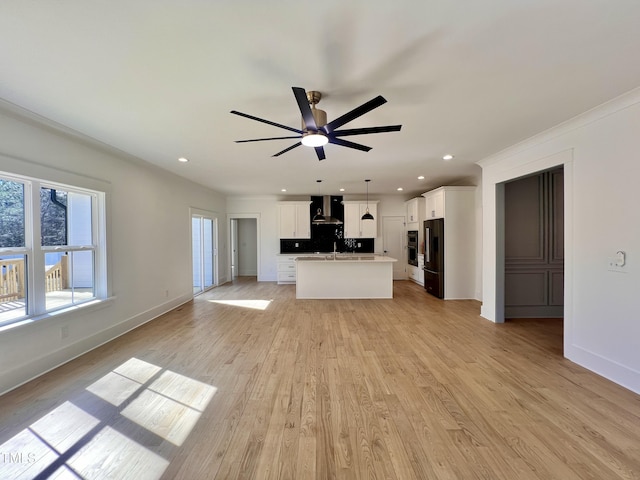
[367,216]
[318,217]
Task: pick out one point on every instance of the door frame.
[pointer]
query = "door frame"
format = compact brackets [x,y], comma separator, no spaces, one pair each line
[493,235]
[256,216]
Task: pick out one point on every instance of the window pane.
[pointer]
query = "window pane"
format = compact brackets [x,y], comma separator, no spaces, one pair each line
[207,252]
[53,216]
[11,214]
[13,287]
[68,278]
[65,217]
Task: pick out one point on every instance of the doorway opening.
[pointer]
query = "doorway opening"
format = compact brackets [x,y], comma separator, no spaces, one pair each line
[244,235]
[533,252]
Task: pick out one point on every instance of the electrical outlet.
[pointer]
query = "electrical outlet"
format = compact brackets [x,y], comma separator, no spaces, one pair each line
[618,263]
[166,294]
[64,331]
[613,267]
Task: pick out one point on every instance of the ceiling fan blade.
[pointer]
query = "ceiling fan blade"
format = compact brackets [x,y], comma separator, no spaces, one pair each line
[365,131]
[263,139]
[268,122]
[355,113]
[305,109]
[287,149]
[320,153]
[346,143]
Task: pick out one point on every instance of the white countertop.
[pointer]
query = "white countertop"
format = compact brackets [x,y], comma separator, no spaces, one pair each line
[347,258]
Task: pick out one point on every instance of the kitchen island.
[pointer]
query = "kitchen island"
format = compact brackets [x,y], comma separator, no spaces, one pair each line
[344,276]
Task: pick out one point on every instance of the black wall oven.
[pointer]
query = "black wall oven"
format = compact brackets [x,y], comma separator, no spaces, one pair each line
[412,247]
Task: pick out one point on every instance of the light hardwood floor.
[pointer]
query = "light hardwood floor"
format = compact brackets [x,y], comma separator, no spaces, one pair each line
[248,382]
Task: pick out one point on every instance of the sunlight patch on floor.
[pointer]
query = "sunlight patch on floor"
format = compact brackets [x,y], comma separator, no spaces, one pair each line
[255,304]
[95,460]
[171,406]
[70,443]
[137,370]
[25,456]
[114,388]
[64,426]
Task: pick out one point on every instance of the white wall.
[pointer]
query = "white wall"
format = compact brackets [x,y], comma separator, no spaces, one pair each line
[149,244]
[600,151]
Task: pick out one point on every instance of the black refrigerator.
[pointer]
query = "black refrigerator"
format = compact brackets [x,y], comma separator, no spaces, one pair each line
[434,257]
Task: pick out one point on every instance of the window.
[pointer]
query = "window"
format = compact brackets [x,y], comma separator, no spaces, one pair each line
[52,252]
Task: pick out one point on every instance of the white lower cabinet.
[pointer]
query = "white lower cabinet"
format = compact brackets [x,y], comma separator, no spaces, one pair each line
[417,273]
[287,269]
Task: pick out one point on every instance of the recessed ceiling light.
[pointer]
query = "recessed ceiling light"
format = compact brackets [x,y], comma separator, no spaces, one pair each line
[448,156]
[400,189]
[183,160]
[421,177]
[283,190]
[342,189]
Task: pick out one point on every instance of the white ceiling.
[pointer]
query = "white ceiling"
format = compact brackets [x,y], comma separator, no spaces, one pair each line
[157,79]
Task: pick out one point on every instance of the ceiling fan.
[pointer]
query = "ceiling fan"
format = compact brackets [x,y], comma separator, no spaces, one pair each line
[316,132]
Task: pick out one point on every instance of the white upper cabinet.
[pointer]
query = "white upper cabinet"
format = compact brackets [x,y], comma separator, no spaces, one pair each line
[412,210]
[434,202]
[294,220]
[354,226]
[415,212]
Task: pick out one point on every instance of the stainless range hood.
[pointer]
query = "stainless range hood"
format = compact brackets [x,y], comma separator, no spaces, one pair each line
[323,215]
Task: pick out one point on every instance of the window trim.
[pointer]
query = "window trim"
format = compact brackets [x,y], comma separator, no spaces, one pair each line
[34,252]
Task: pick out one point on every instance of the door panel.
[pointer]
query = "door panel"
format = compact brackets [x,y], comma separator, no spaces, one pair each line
[534,246]
[393,240]
[526,288]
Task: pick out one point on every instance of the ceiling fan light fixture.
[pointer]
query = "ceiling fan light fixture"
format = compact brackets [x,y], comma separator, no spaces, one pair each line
[315,131]
[314,140]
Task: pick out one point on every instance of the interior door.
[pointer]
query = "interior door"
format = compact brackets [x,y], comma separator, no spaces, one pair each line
[394,243]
